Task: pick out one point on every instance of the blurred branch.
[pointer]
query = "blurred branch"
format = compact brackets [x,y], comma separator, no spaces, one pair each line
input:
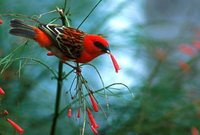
[153,74]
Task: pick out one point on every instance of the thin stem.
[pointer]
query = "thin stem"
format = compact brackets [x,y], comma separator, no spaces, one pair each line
[153,74]
[59,80]
[96,91]
[89,14]
[84,121]
[58,96]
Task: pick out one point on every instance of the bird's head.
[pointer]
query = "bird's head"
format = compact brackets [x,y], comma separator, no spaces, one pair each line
[96,45]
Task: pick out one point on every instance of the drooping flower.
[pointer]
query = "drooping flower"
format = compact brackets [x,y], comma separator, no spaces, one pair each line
[91,118]
[94,104]
[78,113]
[195,131]
[69,114]
[2,92]
[16,126]
[184,66]
[114,61]
[1,21]
[186,49]
[94,130]
[196,44]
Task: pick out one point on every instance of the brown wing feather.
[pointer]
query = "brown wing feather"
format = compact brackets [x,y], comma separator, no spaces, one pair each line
[68,40]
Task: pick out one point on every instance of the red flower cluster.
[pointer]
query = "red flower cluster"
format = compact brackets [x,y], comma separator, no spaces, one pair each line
[93,124]
[11,122]
[189,50]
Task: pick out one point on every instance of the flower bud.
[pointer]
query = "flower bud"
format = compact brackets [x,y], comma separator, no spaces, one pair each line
[2,91]
[94,104]
[69,114]
[16,126]
[91,118]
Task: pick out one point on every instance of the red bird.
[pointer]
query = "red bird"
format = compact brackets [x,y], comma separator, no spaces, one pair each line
[66,43]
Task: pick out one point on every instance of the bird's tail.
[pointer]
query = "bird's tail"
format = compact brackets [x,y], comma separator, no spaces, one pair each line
[21,29]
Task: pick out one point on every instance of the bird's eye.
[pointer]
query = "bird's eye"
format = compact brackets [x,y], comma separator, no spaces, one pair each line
[99,45]
[103,48]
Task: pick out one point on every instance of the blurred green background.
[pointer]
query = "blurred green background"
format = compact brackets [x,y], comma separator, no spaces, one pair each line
[157,46]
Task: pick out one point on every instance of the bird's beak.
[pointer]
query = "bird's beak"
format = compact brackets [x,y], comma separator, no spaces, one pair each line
[107,50]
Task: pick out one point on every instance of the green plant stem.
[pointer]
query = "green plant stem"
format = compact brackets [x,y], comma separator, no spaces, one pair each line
[58,96]
[89,14]
[97,91]
[59,79]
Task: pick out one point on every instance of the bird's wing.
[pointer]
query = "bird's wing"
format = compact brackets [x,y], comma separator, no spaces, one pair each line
[68,40]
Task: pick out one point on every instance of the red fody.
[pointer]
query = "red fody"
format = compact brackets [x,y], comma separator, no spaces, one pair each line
[114,61]
[16,126]
[2,92]
[69,114]
[94,130]
[92,120]
[94,104]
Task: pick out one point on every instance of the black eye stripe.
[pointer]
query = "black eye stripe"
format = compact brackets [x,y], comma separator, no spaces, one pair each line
[99,45]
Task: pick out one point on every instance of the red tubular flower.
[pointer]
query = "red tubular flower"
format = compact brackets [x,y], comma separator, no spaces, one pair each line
[114,61]
[1,21]
[94,104]
[69,114]
[16,126]
[187,49]
[196,44]
[94,130]
[194,131]
[79,113]
[184,66]
[2,91]
[92,120]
